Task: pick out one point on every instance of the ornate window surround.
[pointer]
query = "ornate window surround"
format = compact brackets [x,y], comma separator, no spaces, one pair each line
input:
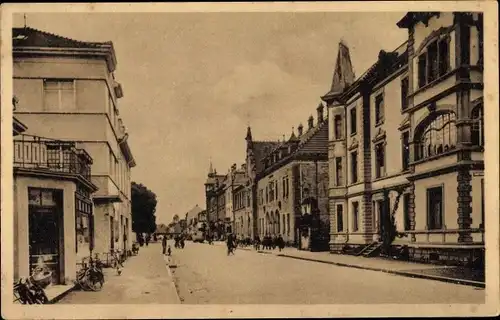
[423,127]
[442,34]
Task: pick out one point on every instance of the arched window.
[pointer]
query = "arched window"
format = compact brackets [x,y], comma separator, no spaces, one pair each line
[437,136]
[477,130]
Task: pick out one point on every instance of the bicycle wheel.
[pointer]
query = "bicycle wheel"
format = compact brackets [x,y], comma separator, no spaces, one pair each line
[95,280]
[80,279]
[40,297]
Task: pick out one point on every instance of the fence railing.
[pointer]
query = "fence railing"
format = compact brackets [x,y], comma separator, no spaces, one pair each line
[32,152]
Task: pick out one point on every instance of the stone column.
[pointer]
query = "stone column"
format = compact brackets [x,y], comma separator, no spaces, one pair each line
[464,204]
[411,211]
[463,124]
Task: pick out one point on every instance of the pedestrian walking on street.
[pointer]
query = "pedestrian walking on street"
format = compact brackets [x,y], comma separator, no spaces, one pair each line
[230,244]
[164,244]
[169,251]
[147,240]
[281,242]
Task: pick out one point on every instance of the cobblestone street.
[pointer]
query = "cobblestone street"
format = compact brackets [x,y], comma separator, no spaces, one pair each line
[145,279]
[205,274]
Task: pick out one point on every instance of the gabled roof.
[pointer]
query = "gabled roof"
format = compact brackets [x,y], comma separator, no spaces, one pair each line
[30,37]
[312,144]
[261,149]
[386,63]
[193,213]
[315,141]
[31,41]
[343,76]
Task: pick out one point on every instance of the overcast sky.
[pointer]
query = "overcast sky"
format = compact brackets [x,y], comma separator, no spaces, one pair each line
[193,82]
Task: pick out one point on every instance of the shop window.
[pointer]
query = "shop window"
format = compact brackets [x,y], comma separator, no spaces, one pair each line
[435,208]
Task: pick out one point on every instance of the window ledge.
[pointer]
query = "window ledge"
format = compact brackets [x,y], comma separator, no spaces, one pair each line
[431,158]
[434,82]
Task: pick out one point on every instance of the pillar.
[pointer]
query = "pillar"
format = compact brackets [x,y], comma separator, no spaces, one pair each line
[411,211]
[464,204]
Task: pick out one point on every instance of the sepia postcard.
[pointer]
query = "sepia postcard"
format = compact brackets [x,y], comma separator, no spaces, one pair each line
[249,160]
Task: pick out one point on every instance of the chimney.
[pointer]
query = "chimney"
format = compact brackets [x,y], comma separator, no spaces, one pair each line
[310,122]
[300,128]
[320,113]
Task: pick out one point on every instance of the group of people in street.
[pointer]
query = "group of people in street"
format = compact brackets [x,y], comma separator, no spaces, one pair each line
[269,242]
[143,238]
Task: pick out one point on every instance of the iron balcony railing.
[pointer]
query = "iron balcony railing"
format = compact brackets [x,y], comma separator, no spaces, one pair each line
[32,152]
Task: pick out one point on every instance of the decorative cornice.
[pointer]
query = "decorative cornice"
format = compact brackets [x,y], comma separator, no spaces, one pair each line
[354,144]
[379,136]
[405,123]
[443,32]
[55,175]
[106,52]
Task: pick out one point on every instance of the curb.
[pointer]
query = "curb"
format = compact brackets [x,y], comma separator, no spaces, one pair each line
[400,273]
[167,265]
[61,295]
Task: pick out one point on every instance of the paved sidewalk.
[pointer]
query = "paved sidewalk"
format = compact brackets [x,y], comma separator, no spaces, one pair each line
[145,278]
[459,275]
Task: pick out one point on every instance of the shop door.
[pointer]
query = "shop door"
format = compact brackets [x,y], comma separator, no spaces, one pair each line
[45,234]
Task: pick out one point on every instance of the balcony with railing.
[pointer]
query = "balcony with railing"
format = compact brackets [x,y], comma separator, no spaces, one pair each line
[52,156]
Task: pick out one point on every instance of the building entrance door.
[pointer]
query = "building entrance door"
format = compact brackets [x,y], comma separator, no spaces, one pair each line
[381,213]
[45,231]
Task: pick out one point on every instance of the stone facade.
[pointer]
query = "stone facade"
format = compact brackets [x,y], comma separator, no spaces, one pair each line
[418,142]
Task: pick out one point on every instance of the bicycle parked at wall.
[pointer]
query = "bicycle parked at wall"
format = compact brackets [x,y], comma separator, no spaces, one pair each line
[90,277]
[31,290]
[117,260]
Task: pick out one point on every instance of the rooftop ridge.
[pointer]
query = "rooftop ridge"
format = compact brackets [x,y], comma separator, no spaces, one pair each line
[93,43]
[311,135]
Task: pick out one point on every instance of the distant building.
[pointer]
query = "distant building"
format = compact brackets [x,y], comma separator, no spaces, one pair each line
[407,143]
[242,205]
[296,171]
[67,90]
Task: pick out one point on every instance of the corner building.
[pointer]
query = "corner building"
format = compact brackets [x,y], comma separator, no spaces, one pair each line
[407,140]
[67,91]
